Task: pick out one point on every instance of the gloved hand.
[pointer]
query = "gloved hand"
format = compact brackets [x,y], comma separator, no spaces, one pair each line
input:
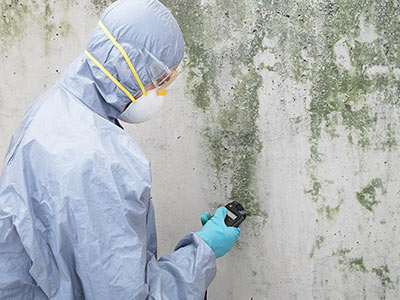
[205,217]
[217,235]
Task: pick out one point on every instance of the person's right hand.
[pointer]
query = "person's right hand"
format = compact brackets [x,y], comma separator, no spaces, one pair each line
[217,235]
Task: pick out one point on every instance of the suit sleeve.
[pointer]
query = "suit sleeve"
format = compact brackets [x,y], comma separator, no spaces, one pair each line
[185,273]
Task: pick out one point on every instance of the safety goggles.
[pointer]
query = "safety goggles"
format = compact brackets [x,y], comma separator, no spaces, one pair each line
[161,76]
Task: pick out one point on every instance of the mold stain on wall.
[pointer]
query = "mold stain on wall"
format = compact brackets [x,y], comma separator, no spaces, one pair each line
[223,81]
[353,75]
[368,194]
[348,93]
[14,15]
[346,51]
[356,264]
[317,245]
[18,16]
[383,274]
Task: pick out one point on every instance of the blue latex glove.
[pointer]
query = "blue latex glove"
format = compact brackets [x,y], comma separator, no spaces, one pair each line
[217,235]
[205,217]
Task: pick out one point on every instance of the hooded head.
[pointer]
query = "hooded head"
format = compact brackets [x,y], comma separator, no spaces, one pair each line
[136,25]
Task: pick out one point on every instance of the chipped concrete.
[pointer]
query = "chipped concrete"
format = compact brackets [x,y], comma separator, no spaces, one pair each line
[291,107]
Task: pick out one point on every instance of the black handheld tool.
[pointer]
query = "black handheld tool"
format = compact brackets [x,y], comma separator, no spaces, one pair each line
[235,215]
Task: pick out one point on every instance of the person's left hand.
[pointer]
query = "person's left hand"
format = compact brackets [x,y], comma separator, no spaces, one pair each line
[219,237]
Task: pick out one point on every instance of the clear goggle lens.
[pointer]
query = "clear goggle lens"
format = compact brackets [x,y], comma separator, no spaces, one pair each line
[160,75]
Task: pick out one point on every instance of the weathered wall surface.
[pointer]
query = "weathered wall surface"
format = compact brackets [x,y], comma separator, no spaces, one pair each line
[291,107]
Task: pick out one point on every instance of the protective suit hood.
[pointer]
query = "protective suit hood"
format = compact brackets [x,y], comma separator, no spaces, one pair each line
[135,25]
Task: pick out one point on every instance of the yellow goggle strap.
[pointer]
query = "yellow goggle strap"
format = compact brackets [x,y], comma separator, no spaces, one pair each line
[113,79]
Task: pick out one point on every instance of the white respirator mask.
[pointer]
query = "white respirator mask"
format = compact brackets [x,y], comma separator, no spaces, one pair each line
[144,109]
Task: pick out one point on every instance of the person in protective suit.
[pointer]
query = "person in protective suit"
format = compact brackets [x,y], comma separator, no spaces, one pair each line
[76,217]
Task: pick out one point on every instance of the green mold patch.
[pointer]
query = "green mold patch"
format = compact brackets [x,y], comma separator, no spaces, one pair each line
[367,197]
[340,95]
[317,245]
[391,139]
[356,264]
[352,264]
[315,189]
[354,91]
[341,255]
[234,141]
[200,61]
[17,16]
[49,26]
[330,212]
[383,274]
[336,93]
[345,93]
[14,16]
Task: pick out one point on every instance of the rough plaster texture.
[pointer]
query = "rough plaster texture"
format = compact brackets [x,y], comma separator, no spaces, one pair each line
[291,107]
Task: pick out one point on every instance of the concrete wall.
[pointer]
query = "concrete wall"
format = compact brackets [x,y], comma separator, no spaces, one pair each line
[291,107]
